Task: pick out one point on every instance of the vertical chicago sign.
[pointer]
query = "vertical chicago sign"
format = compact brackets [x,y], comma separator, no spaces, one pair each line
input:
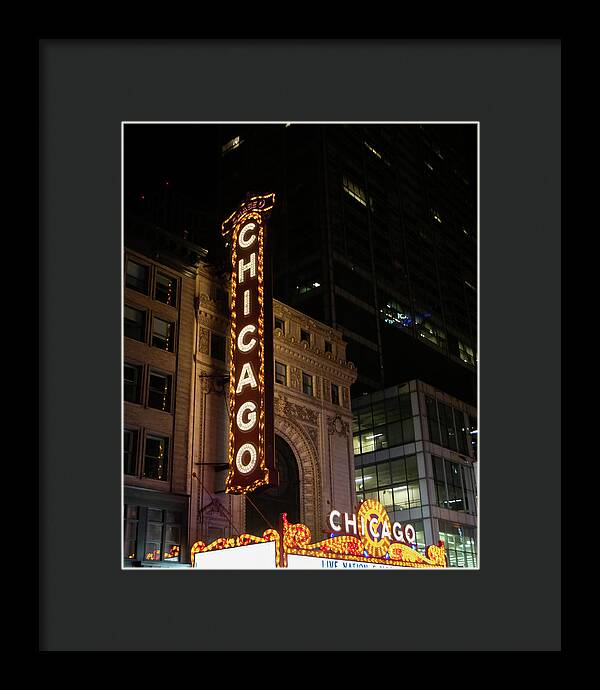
[251,436]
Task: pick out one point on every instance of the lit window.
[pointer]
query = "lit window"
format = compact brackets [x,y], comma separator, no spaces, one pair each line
[153,534]
[373,151]
[165,289]
[395,314]
[156,457]
[130,537]
[355,191]
[159,391]
[231,145]
[432,334]
[154,549]
[162,334]
[466,353]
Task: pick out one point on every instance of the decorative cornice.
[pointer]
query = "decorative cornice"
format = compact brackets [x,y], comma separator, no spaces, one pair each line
[335,368]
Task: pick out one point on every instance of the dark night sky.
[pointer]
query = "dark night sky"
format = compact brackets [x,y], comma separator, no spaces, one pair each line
[187,156]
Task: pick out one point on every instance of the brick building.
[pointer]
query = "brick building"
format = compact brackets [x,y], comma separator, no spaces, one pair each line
[158,327]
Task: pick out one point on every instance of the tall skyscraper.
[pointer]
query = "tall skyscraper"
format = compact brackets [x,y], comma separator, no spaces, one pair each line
[375,233]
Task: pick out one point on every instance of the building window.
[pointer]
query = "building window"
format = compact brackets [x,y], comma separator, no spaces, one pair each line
[447,426]
[461,431]
[159,391]
[373,151]
[134,323]
[132,375]
[431,333]
[131,520]
[395,484]
[130,451]
[152,534]
[432,420]
[460,544]
[304,336]
[328,346]
[466,353]
[473,433]
[383,424]
[156,458]
[163,334]
[335,394]
[137,276]
[454,485]
[280,323]
[163,535]
[231,145]
[217,346]
[354,191]
[165,290]
[307,384]
[281,373]
[396,314]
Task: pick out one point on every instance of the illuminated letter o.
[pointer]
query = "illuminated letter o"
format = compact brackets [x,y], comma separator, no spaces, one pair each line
[242,425]
[411,536]
[242,346]
[243,242]
[251,450]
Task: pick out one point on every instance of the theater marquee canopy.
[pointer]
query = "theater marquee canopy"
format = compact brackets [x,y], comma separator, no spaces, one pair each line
[371,542]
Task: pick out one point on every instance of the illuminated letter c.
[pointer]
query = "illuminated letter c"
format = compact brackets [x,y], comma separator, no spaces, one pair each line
[334,527]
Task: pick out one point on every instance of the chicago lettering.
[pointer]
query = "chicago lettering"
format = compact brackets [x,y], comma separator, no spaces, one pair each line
[246,417]
[351,524]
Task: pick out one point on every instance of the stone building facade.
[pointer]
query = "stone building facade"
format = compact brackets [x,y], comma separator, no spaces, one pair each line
[312,416]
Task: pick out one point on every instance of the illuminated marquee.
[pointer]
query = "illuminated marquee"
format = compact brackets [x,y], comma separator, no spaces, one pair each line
[371,546]
[251,436]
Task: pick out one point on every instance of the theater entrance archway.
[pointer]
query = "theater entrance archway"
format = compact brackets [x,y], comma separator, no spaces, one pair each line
[273,501]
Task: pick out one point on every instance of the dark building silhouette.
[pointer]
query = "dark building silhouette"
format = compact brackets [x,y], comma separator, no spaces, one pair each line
[374,232]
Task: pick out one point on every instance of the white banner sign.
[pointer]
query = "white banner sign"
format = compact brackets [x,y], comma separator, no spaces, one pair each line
[250,557]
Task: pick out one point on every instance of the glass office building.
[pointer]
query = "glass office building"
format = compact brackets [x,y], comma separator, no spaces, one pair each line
[415,452]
